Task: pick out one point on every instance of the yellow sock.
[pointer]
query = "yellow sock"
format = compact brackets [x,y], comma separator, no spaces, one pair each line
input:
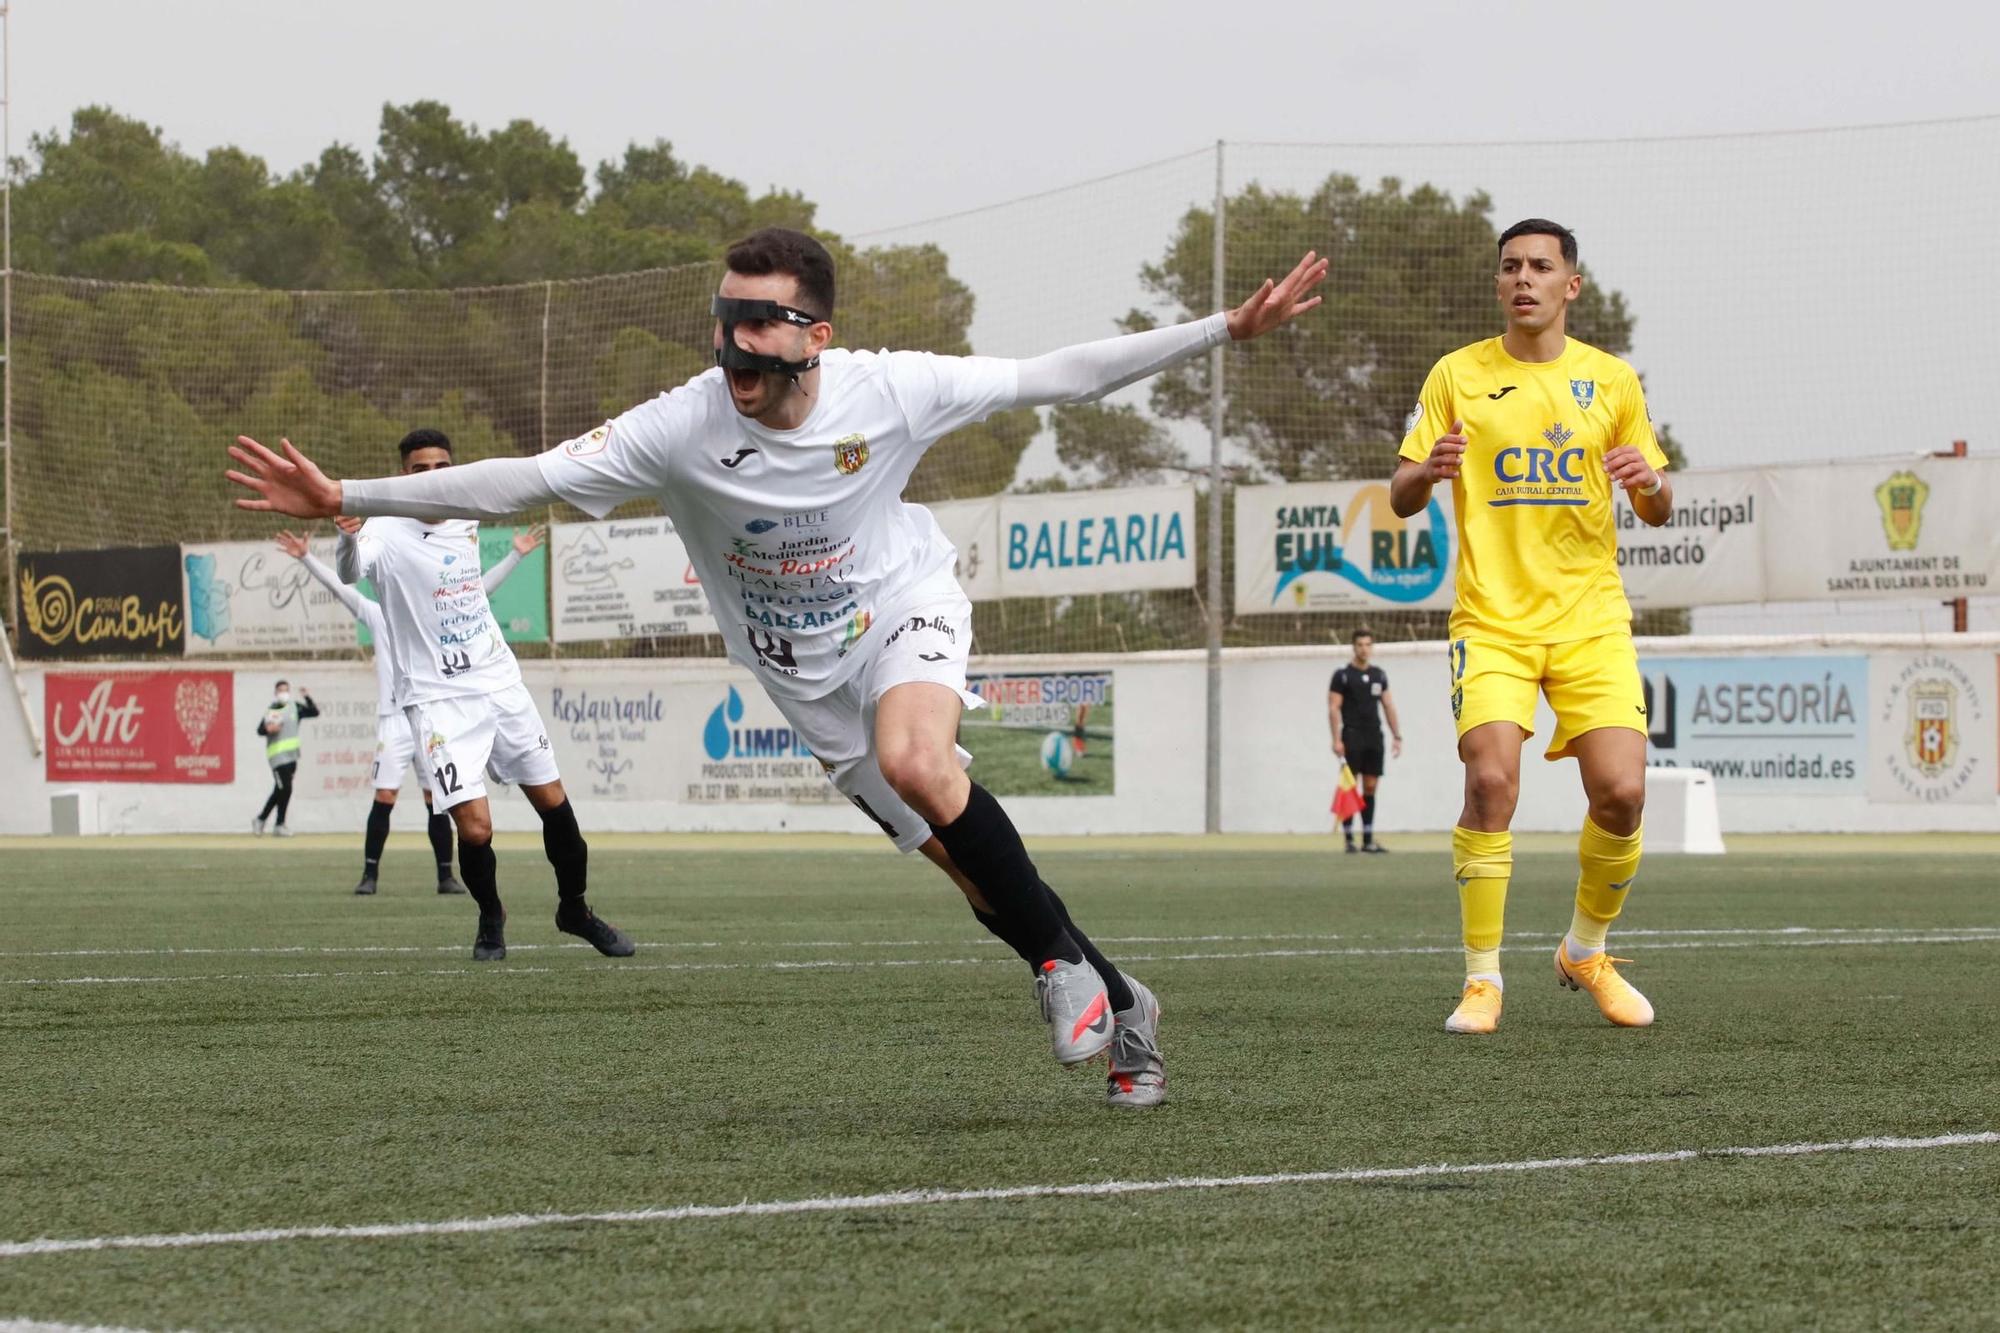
[1607,866]
[1482,863]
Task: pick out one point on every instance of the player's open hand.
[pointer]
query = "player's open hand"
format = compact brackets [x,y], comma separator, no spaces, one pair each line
[289,483]
[530,537]
[1629,468]
[292,544]
[1278,303]
[1447,455]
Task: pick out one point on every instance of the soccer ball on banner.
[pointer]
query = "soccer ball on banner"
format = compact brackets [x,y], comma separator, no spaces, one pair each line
[1058,754]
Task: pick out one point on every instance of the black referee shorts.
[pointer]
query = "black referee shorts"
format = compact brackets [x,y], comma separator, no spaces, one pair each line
[1364,751]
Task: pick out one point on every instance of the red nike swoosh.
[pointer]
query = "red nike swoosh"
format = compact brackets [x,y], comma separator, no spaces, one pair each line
[1094,1018]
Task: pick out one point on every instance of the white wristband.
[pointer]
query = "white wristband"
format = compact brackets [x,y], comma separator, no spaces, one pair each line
[1654,489]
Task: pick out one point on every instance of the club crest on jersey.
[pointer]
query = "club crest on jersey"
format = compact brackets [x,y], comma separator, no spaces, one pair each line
[850,454]
[1415,419]
[1585,393]
[593,443]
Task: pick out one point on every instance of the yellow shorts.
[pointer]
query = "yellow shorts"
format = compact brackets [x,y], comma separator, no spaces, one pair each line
[1590,683]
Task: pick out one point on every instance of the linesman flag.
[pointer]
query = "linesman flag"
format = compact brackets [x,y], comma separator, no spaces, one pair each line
[1347,796]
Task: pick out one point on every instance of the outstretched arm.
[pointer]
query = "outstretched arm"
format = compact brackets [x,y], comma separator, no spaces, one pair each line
[1088,371]
[291,483]
[524,544]
[295,545]
[502,567]
[342,593]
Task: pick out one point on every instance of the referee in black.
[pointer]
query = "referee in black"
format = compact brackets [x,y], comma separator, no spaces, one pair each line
[1351,700]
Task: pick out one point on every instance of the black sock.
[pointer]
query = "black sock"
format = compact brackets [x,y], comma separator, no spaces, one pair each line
[481,870]
[1006,932]
[440,831]
[1115,988]
[563,841]
[378,834]
[985,845]
[1368,817]
[1347,828]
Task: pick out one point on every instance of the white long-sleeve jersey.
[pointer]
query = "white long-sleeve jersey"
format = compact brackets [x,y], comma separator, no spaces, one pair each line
[802,537]
[365,610]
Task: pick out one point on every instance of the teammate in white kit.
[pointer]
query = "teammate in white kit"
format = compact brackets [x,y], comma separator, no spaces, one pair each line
[783,470]
[460,691]
[395,743]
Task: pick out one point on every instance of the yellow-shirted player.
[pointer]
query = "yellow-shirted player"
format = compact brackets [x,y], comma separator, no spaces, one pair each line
[1537,433]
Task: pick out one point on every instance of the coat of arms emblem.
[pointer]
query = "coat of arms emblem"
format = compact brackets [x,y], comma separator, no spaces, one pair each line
[850,454]
[1902,498]
[1932,740]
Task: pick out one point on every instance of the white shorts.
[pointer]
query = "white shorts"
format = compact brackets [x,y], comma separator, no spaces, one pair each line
[929,642]
[396,750]
[468,737]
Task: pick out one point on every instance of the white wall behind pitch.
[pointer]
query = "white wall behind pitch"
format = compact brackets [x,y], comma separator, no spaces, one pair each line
[1277,764]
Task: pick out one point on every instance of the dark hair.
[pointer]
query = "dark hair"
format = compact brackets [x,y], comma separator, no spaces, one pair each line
[782,250]
[1543,227]
[281,685]
[1363,633]
[424,438]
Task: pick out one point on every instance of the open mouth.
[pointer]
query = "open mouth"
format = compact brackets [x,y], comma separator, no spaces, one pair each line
[744,383]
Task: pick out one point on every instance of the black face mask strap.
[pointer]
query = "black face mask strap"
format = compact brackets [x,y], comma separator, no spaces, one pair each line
[731,357]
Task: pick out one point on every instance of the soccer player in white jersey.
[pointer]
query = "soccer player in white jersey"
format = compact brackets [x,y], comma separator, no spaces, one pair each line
[395,743]
[783,469]
[461,694]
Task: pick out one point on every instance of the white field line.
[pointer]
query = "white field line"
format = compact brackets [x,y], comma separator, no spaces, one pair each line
[333,950]
[41,1326]
[931,1197]
[1979,935]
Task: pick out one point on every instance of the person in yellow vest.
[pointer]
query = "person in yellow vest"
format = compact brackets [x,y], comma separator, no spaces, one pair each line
[1537,434]
[279,726]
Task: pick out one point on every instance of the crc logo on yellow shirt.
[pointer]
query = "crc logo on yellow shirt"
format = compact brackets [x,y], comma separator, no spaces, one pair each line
[1532,475]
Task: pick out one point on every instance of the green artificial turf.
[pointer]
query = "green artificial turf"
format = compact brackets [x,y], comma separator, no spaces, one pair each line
[830,1021]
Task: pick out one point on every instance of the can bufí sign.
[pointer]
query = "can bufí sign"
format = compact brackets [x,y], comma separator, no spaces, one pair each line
[140,726]
[124,602]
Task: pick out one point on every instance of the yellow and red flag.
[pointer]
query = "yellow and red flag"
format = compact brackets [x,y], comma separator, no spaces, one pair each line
[1347,796]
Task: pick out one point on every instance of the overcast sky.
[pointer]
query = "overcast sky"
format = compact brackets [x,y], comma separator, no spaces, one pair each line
[889,112]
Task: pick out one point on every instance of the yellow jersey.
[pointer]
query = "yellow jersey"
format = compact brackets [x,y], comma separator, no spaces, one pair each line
[1537,538]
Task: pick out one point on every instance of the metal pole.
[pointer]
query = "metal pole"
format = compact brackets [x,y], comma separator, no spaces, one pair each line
[7,304]
[1213,816]
[7,371]
[1961,610]
[549,516]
